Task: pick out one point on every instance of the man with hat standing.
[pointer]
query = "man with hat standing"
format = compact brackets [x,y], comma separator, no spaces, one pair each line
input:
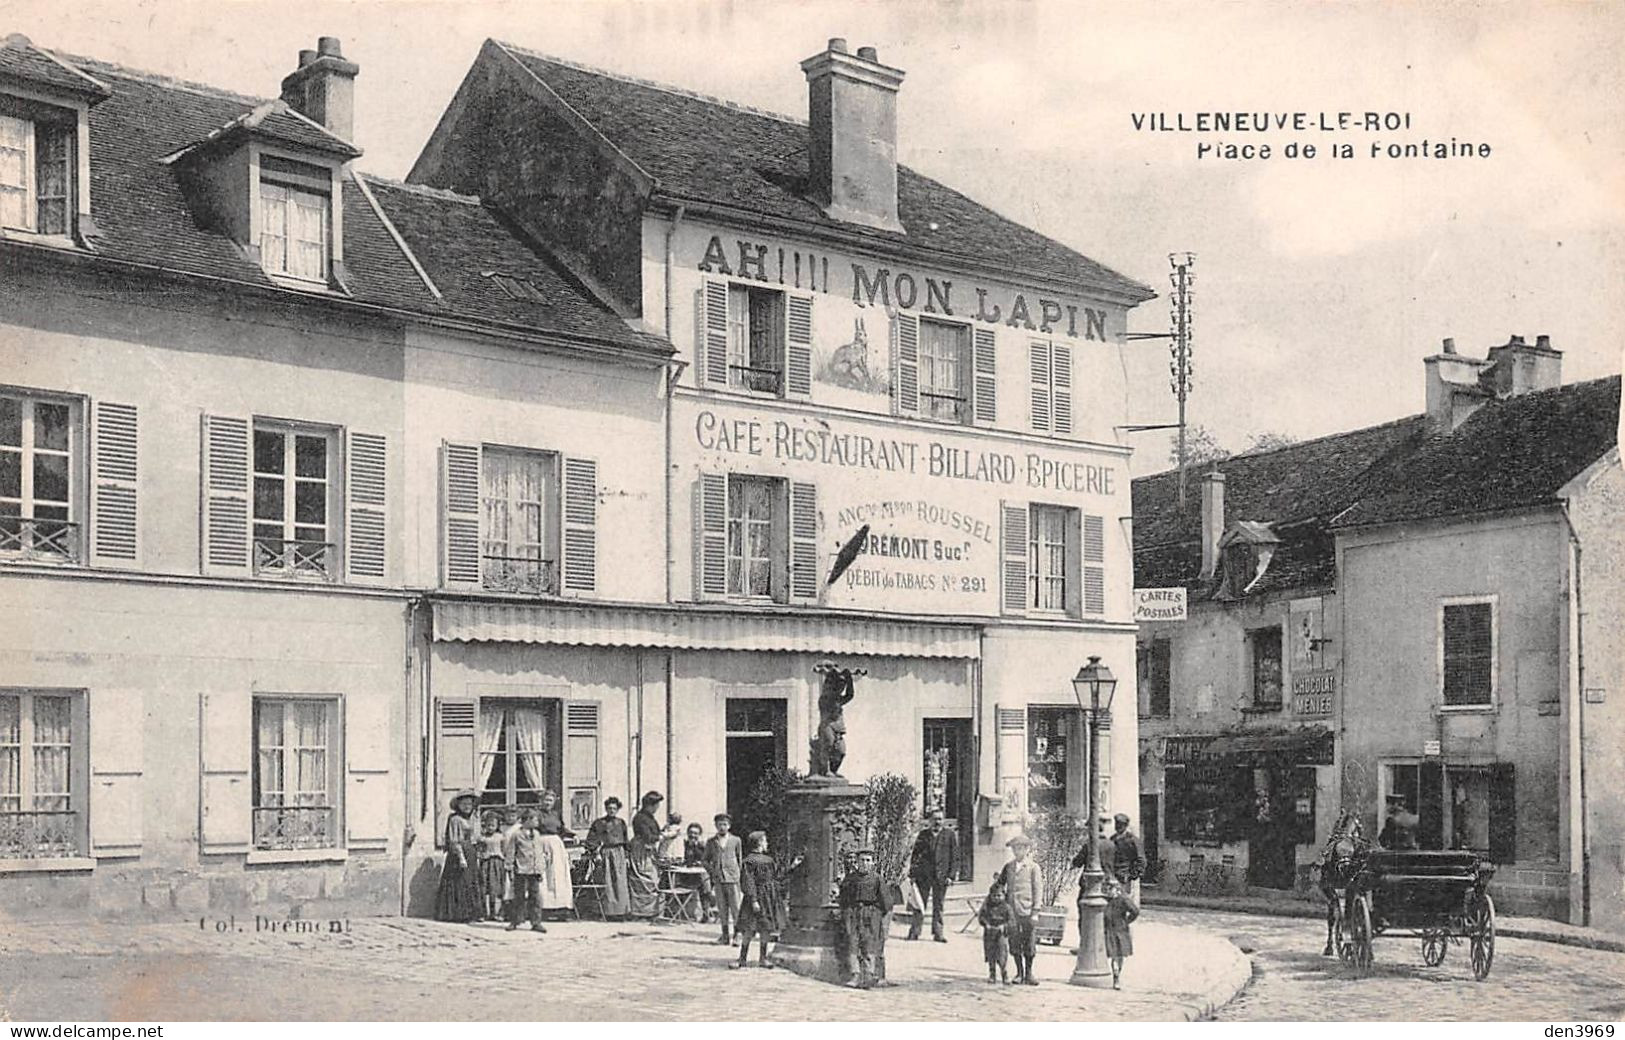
[1024,891]
[932,866]
[864,903]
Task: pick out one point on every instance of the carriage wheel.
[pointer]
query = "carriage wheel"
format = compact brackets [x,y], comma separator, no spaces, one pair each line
[1434,946]
[1481,932]
[1360,935]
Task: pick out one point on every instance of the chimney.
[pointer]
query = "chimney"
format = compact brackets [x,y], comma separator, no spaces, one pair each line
[1212,520]
[323,88]
[852,135]
[1517,367]
[1453,390]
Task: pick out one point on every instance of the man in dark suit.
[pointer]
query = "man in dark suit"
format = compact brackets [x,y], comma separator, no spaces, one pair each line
[931,866]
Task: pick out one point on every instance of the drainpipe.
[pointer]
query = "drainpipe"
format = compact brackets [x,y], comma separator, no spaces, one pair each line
[411,675]
[1577,622]
[673,372]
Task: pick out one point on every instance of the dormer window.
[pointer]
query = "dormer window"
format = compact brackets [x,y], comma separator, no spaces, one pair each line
[295,219]
[36,174]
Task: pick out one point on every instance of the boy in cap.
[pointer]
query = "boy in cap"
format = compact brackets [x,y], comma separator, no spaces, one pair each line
[725,861]
[1024,887]
[864,902]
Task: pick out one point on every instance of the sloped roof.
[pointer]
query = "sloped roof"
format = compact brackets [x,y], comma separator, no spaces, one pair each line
[143,216]
[21,60]
[275,121]
[1509,454]
[709,150]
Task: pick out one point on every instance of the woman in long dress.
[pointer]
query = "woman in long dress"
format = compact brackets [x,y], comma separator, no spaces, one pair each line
[606,843]
[642,872]
[556,893]
[459,896]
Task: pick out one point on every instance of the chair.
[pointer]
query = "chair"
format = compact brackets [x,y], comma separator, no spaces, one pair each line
[678,902]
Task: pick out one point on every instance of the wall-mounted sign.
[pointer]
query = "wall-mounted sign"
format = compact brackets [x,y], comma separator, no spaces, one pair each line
[1159,605]
[1431,748]
[1314,693]
[1306,621]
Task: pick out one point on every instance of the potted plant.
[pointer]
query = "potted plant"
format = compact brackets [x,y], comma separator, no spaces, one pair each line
[1057,837]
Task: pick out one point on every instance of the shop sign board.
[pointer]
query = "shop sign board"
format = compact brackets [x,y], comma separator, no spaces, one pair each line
[1431,748]
[1159,605]
[1314,693]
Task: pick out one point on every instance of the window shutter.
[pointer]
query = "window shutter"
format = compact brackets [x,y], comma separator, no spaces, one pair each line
[460,529]
[368,795]
[365,523]
[798,345]
[1011,751]
[1013,552]
[580,571]
[1503,814]
[225,495]
[226,796]
[711,537]
[456,757]
[115,523]
[1430,805]
[714,326]
[804,571]
[580,761]
[1094,566]
[1038,356]
[905,352]
[1061,386]
[984,368]
[117,760]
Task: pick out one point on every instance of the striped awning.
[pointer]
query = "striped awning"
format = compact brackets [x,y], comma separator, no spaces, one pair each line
[695,628]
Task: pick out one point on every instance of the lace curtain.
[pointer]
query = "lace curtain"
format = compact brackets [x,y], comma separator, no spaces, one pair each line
[490,740]
[530,725]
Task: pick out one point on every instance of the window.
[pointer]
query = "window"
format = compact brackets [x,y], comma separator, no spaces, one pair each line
[755,522]
[519,745]
[1155,668]
[295,219]
[755,339]
[38,442]
[1264,646]
[295,501]
[1049,555]
[295,773]
[36,175]
[944,349]
[41,741]
[520,503]
[1468,652]
[1055,756]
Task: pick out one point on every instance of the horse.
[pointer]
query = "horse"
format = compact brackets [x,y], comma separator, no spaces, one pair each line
[1339,861]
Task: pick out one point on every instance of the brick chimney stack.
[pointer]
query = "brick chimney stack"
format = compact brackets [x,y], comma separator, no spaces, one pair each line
[323,88]
[852,135]
[1212,520]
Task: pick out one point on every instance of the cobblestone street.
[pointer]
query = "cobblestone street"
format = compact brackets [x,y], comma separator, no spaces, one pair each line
[394,969]
[1530,980]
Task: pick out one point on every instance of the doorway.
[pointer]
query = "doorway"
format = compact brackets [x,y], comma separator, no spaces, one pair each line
[755,743]
[949,781]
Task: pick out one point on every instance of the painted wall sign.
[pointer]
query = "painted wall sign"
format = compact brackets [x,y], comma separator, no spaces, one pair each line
[938,553]
[875,286]
[820,441]
[1306,619]
[1159,604]
[1314,693]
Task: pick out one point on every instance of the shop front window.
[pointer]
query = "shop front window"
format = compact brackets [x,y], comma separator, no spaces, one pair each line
[1054,757]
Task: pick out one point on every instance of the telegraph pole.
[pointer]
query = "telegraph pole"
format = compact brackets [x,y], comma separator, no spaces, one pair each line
[1179,366]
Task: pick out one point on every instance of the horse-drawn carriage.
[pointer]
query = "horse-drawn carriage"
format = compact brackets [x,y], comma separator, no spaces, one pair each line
[1438,897]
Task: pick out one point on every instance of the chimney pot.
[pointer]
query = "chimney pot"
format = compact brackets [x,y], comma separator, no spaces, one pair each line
[328,47]
[306,57]
[1544,342]
[837,44]
[1515,339]
[1449,345]
[868,54]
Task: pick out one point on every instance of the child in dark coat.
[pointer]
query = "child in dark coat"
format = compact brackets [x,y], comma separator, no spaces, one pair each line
[1120,913]
[995,919]
[762,912]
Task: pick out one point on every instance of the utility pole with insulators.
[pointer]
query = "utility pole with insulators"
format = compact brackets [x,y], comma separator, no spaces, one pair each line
[1179,347]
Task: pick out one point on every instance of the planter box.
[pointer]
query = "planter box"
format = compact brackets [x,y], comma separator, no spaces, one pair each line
[1050,925]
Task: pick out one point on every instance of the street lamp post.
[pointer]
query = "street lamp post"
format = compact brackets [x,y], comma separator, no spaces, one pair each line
[1095,685]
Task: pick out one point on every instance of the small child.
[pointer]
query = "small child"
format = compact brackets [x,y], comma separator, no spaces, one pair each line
[1120,913]
[995,919]
[493,875]
[763,913]
[670,847]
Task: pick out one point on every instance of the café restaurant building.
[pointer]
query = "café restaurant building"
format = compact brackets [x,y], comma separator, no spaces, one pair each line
[888,444]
